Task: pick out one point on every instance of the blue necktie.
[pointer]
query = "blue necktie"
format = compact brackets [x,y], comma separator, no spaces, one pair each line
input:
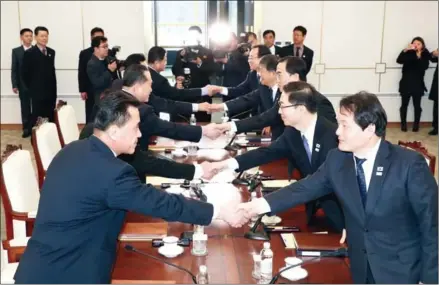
[306,146]
[361,179]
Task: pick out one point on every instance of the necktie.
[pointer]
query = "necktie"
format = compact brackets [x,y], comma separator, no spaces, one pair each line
[361,179]
[307,149]
[44,51]
[298,52]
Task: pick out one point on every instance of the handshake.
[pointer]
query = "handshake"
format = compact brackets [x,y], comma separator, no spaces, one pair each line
[210,108]
[237,214]
[214,131]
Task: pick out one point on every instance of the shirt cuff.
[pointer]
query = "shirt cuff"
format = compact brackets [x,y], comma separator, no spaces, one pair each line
[198,171]
[261,206]
[225,91]
[194,108]
[225,107]
[204,91]
[216,210]
[232,164]
[233,128]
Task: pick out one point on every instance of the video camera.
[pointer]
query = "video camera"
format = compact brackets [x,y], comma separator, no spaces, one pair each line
[244,48]
[191,53]
[112,57]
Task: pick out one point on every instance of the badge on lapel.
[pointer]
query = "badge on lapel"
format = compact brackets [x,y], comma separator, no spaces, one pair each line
[303,55]
[379,171]
[317,149]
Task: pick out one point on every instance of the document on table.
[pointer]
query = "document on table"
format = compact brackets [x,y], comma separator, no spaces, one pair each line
[289,240]
[158,180]
[277,183]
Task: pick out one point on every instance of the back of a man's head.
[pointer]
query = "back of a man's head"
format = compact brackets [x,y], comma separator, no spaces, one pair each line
[295,65]
[135,73]
[262,50]
[135,58]
[113,110]
[269,62]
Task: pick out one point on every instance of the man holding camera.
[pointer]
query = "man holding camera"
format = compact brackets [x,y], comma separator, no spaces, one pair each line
[99,70]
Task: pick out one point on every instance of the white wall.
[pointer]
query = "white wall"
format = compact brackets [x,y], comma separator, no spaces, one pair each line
[350,37]
[126,23]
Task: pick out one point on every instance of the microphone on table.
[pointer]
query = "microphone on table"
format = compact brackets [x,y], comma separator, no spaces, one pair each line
[341,252]
[240,181]
[254,235]
[254,182]
[129,247]
[229,146]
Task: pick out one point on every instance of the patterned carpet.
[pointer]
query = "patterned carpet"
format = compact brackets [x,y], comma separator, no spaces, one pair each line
[393,135]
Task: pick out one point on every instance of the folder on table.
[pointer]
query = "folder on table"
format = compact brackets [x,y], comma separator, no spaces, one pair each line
[276,183]
[158,180]
[310,244]
[133,231]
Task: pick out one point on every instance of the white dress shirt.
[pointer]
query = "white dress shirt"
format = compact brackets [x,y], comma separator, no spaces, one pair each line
[273,49]
[26,48]
[274,91]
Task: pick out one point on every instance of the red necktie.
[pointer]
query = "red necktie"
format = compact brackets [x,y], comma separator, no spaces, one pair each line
[44,51]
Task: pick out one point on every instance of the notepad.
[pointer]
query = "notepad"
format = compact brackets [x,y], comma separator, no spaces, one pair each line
[289,240]
[277,183]
[158,180]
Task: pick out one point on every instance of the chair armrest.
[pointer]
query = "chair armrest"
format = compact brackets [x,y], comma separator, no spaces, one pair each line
[15,248]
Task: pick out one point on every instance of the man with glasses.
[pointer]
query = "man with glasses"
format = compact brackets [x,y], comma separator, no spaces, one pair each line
[98,69]
[307,139]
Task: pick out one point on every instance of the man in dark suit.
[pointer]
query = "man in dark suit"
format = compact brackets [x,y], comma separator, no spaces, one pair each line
[99,71]
[289,69]
[269,39]
[162,106]
[85,86]
[79,220]
[18,86]
[306,141]
[433,94]
[388,195]
[38,72]
[298,48]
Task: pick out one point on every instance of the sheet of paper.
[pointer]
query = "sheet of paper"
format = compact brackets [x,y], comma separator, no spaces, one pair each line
[277,183]
[157,180]
[289,240]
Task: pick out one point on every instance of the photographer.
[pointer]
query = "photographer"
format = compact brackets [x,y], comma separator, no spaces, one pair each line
[234,63]
[99,70]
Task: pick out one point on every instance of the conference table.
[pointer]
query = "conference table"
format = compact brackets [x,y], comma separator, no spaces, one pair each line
[229,259]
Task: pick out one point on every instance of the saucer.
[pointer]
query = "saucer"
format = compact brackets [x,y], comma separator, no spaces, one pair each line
[271,221]
[171,252]
[179,153]
[294,274]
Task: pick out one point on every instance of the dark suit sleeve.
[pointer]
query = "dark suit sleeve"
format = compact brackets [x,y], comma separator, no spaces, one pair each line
[128,193]
[325,109]
[170,106]
[14,70]
[305,190]
[405,57]
[165,90]
[100,80]
[258,122]
[243,103]
[177,67]
[423,196]
[432,58]
[27,67]
[243,88]
[82,73]
[238,65]
[263,155]
[54,73]
[151,125]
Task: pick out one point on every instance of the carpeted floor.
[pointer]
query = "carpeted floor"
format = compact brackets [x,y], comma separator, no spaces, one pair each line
[393,135]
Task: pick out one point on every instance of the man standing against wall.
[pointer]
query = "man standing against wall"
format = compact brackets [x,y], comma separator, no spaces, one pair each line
[18,86]
[85,86]
[298,48]
[39,76]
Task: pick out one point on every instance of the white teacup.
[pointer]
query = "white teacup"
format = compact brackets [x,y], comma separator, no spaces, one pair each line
[170,242]
[291,261]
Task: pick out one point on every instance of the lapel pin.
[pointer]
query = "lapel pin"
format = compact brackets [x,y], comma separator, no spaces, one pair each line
[380,168]
[317,145]
[379,174]
[317,149]
[303,56]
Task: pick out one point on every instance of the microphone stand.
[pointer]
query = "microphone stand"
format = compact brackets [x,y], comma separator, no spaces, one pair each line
[229,146]
[254,235]
[240,181]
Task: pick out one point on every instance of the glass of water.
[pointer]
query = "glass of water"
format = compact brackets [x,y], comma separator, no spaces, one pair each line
[199,244]
[192,149]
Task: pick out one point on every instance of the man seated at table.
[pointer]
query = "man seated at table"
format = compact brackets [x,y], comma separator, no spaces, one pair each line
[388,195]
[85,197]
[137,83]
[306,141]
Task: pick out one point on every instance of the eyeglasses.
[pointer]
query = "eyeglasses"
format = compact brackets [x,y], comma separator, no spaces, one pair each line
[279,103]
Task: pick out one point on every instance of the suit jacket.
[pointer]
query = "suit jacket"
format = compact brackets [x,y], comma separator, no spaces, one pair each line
[271,117]
[161,104]
[99,75]
[78,221]
[413,71]
[38,73]
[147,163]
[235,70]
[83,80]
[397,231]
[248,85]
[290,145]
[162,88]
[261,100]
[433,90]
[277,50]
[16,68]
[307,55]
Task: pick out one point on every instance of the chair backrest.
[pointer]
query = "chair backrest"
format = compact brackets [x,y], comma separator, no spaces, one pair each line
[19,188]
[418,147]
[66,123]
[46,145]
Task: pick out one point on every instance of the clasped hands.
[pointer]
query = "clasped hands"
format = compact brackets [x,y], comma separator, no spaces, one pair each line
[237,214]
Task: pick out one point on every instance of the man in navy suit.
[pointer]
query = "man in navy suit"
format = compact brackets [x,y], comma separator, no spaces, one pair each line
[298,49]
[269,39]
[388,195]
[85,197]
[306,141]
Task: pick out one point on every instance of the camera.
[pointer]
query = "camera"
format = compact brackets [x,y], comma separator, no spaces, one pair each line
[112,57]
[191,53]
[244,48]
